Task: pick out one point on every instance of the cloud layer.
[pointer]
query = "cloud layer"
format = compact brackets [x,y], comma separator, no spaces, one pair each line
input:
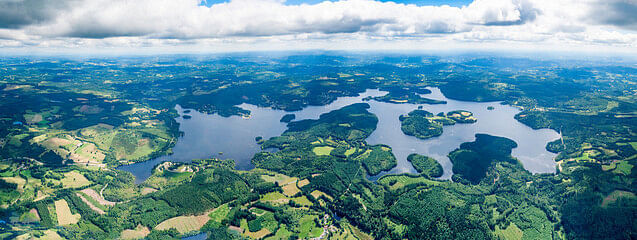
[139,23]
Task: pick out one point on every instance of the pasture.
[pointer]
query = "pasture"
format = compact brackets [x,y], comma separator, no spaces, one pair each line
[278,178]
[74,179]
[220,213]
[309,229]
[322,151]
[512,232]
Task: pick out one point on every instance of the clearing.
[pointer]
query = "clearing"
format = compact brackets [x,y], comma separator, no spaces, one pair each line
[322,151]
[91,205]
[612,197]
[74,179]
[63,212]
[138,233]
[316,194]
[279,178]
[290,189]
[93,194]
[511,232]
[185,224]
[395,182]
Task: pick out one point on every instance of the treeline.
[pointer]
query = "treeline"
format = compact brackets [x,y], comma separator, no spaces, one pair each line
[46,220]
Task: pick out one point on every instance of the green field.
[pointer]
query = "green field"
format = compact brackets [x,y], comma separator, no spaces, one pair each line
[512,232]
[322,151]
[395,182]
[624,167]
[309,229]
[220,213]
[67,124]
[281,233]
[275,197]
[350,151]
[74,179]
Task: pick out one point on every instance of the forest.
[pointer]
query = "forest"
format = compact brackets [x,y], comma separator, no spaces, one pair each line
[423,124]
[67,123]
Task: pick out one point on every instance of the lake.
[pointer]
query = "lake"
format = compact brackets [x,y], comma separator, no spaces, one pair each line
[210,135]
[500,121]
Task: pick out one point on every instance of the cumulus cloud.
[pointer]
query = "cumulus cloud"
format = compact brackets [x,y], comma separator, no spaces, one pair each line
[19,13]
[187,19]
[621,13]
[174,22]
[501,12]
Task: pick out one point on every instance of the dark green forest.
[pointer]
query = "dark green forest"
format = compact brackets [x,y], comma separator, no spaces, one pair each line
[66,124]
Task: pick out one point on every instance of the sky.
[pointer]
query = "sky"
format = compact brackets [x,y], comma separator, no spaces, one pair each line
[175,26]
[453,3]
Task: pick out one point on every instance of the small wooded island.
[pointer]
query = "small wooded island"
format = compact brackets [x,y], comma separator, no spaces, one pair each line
[288,118]
[423,124]
[76,135]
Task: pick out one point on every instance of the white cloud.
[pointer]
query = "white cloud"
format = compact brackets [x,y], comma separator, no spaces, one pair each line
[165,23]
[500,12]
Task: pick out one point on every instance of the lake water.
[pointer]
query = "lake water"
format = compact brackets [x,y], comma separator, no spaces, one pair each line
[498,122]
[200,236]
[206,135]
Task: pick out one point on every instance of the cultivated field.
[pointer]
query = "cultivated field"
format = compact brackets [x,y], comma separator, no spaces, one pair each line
[63,212]
[184,224]
[258,234]
[290,189]
[93,194]
[279,178]
[137,233]
[322,151]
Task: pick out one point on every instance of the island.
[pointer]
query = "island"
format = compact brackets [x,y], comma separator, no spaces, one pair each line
[70,127]
[424,125]
[287,118]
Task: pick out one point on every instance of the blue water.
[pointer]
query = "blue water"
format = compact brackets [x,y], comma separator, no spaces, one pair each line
[206,135]
[500,121]
[201,236]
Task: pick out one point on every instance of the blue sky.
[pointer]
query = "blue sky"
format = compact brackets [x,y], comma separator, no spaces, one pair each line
[453,3]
